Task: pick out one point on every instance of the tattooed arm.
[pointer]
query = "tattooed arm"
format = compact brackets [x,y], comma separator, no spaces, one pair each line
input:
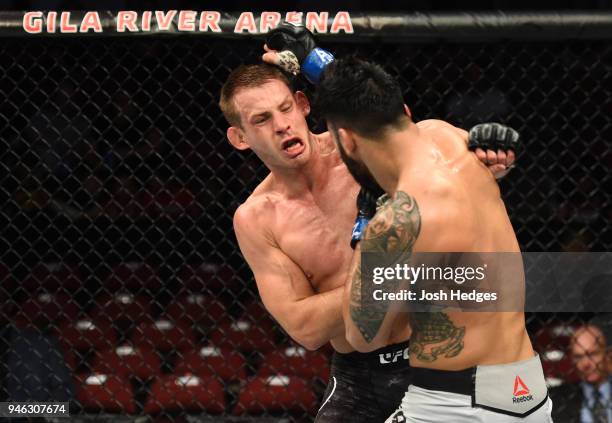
[392,232]
[402,226]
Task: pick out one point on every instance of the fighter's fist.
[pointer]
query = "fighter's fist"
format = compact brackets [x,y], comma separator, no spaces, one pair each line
[495,145]
[292,37]
[366,209]
[292,47]
[367,201]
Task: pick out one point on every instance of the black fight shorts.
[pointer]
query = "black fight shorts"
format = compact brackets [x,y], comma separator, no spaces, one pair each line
[366,387]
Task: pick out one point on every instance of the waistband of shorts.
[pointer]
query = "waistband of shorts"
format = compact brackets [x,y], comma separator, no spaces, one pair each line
[385,357]
[455,381]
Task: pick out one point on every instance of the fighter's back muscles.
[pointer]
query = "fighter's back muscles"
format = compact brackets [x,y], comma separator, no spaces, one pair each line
[310,318]
[454,206]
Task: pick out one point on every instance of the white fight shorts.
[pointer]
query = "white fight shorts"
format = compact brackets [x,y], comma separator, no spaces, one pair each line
[505,393]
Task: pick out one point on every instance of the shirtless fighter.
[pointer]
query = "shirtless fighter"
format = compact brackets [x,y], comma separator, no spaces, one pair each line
[466,366]
[293,229]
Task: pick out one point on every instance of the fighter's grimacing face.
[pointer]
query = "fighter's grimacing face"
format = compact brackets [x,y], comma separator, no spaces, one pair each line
[273,123]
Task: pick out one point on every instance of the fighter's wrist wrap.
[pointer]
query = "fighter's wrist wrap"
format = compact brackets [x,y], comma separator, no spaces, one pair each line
[358,230]
[315,64]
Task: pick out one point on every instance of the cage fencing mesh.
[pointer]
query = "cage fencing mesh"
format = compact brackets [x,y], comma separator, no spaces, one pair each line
[123,290]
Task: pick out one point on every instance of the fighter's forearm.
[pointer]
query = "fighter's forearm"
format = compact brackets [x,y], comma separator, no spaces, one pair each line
[352,332]
[366,321]
[317,319]
[391,234]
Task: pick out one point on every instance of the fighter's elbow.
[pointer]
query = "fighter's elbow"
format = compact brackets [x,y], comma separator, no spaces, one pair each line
[304,332]
[312,344]
[308,340]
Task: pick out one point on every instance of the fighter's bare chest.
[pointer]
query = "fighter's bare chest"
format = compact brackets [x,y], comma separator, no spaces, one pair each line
[317,239]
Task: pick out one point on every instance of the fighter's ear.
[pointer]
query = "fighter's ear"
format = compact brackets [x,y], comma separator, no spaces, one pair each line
[236,138]
[302,102]
[347,139]
[407,111]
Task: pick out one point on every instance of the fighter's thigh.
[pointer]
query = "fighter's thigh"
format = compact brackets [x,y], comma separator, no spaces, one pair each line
[422,405]
[347,402]
[390,388]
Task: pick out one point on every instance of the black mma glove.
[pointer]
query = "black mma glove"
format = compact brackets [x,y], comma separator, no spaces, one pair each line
[297,51]
[493,136]
[366,209]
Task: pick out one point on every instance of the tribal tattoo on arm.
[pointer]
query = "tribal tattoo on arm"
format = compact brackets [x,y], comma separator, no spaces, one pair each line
[393,232]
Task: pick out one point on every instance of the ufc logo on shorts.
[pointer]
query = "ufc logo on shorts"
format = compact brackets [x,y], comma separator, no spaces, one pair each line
[392,357]
[399,417]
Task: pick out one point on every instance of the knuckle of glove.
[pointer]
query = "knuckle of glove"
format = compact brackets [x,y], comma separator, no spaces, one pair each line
[278,40]
[476,138]
[513,140]
[506,138]
[493,136]
[292,37]
[308,42]
[366,203]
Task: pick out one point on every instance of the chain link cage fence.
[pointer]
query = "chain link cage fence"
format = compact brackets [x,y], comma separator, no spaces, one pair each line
[123,289]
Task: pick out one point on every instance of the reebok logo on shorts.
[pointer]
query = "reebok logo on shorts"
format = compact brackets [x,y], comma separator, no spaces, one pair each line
[521,391]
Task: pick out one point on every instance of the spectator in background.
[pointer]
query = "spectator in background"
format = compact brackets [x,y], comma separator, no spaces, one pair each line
[591,400]
[597,298]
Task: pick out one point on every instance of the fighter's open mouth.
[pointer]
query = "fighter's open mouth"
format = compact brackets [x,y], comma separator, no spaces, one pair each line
[291,142]
[293,147]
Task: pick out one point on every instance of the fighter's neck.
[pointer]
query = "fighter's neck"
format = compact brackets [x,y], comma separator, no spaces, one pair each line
[388,162]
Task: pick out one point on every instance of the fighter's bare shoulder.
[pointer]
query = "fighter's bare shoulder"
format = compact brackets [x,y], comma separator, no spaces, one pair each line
[432,189]
[254,216]
[442,209]
[441,126]
[442,217]
[432,124]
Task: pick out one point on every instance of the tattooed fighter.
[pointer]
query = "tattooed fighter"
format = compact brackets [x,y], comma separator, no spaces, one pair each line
[466,367]
[293,228]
